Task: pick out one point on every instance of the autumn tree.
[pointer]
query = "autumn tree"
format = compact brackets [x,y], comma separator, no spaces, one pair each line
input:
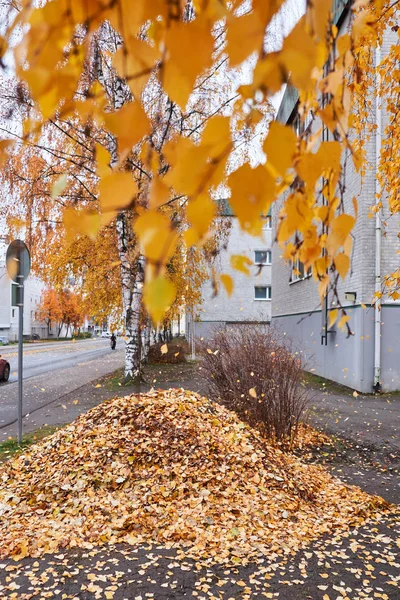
[49,309]
[72,315]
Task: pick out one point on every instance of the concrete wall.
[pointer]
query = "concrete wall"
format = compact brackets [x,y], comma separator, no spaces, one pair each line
[348,360]
[241,305]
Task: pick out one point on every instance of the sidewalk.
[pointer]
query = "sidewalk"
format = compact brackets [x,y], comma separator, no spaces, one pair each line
[367,450]
[360,563]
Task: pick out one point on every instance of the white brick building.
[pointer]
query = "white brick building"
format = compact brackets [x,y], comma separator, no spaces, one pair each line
[371,357]
[250,301]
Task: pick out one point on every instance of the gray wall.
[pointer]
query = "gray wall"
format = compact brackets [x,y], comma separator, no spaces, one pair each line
[241,305]
[348,360]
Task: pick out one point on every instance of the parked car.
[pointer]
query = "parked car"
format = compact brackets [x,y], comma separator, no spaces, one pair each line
[4,369]
[105,334]
[4,341]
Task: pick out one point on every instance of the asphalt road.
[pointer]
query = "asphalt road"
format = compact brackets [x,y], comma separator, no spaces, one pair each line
[52,371]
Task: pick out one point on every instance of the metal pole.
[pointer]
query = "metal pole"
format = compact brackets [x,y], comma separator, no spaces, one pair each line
[193,340]
[20,351]
[378,234]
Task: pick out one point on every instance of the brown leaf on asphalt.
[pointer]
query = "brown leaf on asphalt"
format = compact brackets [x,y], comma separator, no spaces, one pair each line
[172,468]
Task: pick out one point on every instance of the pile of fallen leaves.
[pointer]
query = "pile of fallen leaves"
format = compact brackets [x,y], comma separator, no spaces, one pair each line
[169,467]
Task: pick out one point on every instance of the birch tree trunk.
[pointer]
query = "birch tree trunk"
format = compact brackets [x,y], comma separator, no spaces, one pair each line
[132,280]
[132,263]
[147,340]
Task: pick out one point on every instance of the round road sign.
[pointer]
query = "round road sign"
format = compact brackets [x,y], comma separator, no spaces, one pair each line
[18,260]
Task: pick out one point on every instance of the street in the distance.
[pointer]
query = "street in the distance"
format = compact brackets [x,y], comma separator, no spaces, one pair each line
[52,370]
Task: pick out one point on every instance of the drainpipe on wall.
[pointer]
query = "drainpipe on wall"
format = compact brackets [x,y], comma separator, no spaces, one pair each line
[378,234]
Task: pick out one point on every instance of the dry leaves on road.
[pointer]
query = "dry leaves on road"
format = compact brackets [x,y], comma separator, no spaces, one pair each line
[172,467]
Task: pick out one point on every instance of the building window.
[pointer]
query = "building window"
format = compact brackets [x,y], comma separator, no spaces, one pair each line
[267,222]
[262,257]
[299,272]
[13,313]
[262,292]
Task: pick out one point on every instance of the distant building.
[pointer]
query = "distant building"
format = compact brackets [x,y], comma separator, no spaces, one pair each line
[250,302]
[369,359]
[9,310]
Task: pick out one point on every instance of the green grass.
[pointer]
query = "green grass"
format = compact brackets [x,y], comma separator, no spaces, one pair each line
[152,374]
[326,384]
[11,448]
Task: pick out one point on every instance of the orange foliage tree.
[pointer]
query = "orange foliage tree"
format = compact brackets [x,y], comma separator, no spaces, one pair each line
[61,308]
[49,309]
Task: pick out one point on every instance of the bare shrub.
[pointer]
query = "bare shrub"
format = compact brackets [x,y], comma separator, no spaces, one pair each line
[254,371]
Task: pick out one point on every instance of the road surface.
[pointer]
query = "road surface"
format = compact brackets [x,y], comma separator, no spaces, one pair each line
[51,371]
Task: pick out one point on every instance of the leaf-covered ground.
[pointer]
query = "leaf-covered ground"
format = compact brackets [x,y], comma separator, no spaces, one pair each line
[170,467]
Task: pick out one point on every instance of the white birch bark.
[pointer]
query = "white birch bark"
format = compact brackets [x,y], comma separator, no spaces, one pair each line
[132,280]
[147,340]
[132,263]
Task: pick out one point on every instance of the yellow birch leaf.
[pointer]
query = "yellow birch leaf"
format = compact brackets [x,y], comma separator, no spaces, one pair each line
[136,57]
[348,245]
[129,125]
[245,35]
[159,193]
[363,306]
[318,14]
[252,192]
[329,154]
[343,321]
[184,64]
[309,169]
[200,213]
[339,230]
[299,55]
[342,264]
[253,393]
[333,315]
[214,9]
[81,221]
[323,286]
[320,266]
[227,282]
[158,296]
[189,166]
[157,239]
[164,349]
[217,136]
[131,20]
[191,237]
[103,161]
[241,263]
[327,114]
[116,191]
[280,146]
[191,170]
[269,74]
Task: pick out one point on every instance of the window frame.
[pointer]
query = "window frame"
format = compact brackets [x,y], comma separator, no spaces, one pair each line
[268,259]
[296,266]
[267,225]
[268,296]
